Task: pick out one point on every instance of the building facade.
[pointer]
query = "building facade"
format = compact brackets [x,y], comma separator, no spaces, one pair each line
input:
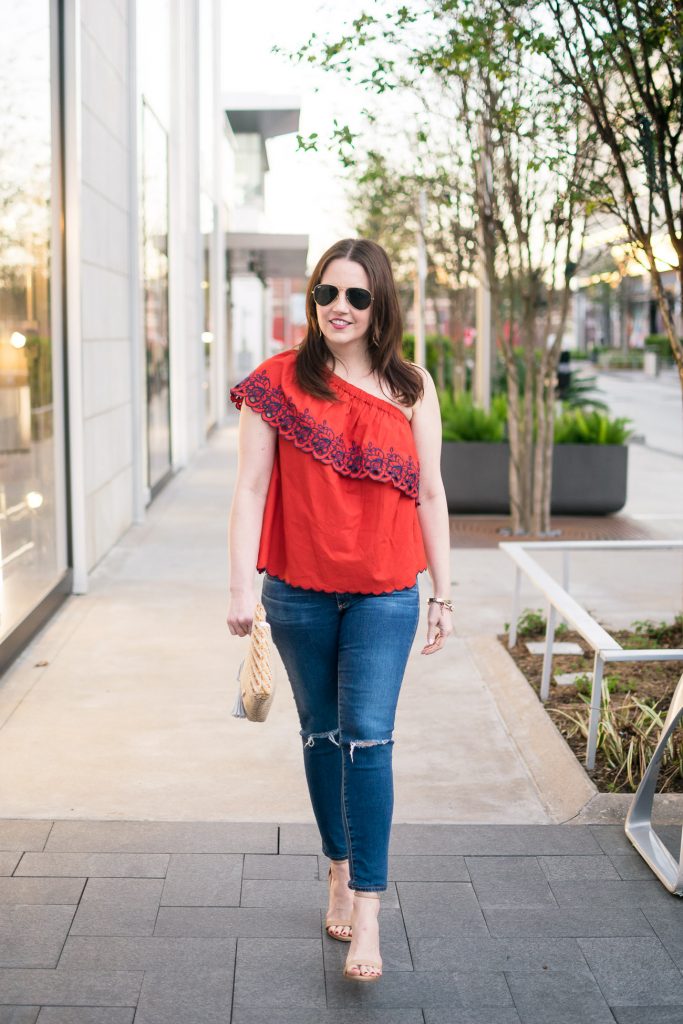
[117,192]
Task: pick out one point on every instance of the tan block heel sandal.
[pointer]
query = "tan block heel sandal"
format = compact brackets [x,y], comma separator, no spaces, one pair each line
[361,962]
[332,923]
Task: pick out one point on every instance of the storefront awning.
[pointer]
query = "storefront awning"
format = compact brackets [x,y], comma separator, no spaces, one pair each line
[266,255]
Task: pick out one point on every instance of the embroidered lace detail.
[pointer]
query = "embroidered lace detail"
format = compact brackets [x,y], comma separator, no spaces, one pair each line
[300,427]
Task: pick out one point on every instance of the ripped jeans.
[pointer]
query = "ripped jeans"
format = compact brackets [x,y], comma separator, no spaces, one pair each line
[345,655]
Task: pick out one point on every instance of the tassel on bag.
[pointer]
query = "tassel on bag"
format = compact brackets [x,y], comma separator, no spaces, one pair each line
[239,710]
[255,681]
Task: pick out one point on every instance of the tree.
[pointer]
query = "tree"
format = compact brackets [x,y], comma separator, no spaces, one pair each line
[384,202]
[526,162]
[621,61]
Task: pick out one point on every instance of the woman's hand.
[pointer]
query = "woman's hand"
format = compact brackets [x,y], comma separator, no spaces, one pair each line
[439,626]
[241,612]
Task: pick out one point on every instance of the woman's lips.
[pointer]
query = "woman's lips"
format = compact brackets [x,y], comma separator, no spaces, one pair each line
[339,325]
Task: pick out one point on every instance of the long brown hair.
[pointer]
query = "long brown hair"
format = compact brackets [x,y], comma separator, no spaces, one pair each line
[386,327]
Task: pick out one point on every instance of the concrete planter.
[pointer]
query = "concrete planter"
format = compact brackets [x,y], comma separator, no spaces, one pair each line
[588,479]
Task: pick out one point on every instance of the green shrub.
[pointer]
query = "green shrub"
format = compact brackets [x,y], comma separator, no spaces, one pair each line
[531,623]
[660,344]
[578,426]
[464,421]
[578,354]
[627,738]
[615,359]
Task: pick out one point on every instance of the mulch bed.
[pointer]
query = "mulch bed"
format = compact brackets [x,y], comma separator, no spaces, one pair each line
[648,681]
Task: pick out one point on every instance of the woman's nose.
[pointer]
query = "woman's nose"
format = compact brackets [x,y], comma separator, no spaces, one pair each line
[341,303]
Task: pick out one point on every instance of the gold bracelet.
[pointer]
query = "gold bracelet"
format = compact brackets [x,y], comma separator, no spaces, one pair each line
[445,603]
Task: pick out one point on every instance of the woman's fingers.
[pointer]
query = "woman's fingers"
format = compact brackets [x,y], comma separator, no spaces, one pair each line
[439,627]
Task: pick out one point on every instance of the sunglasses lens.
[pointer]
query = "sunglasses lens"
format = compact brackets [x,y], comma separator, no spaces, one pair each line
[324,294]
[359,298]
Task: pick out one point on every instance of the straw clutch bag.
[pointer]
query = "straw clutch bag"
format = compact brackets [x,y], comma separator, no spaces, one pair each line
[255,679]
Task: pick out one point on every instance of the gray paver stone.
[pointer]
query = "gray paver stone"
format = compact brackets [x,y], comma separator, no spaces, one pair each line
[70,987]
[489,1015]
[276,987]
[279,954]
[409,867]
[613,839]
[474,952]
[148,953]
[41,890]
[238,921]
[650,1014]
[544,996]
[667,923]
[509,882]
[163,837]
[631,866]
[557,869]
[118,906]
[568,922]
[492,840]
[316,1015]
[93,865]
[19,834]
[619,893]
[200,996]
[203,880]
[32,936]
[440,908]
[8,862]
[634,970]
[268,892]
[301,867]
[86,1015]
[454,990]
[19,1014]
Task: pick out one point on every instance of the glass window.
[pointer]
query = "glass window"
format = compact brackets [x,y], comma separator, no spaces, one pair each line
[155,276]
[207,221]
[32,522]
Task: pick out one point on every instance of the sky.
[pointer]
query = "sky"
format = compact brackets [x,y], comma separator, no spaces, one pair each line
[303,190]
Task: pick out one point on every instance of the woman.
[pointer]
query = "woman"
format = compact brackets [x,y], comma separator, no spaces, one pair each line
[339,501]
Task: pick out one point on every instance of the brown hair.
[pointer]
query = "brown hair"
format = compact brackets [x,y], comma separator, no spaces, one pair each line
[386,327]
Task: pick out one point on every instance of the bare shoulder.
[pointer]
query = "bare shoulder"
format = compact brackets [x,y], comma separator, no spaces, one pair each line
[429,394]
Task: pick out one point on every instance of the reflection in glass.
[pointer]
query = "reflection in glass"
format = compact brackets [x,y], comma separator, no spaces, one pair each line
[206,217]
[155,277]
[29,516]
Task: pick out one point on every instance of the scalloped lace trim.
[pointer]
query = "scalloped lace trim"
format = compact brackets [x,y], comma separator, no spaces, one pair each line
[323,443]
[323,590]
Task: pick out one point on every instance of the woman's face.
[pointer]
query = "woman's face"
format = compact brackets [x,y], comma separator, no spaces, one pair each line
[340,323]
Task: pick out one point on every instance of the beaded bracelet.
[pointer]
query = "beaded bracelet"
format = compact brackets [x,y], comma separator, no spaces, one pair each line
[445,603]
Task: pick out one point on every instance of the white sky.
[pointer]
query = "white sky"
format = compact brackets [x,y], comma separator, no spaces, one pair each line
[303,191]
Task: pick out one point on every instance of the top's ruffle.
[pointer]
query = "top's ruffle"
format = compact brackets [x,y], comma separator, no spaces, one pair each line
[357,457]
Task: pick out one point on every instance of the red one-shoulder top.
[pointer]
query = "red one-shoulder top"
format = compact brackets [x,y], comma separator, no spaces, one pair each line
[341,508]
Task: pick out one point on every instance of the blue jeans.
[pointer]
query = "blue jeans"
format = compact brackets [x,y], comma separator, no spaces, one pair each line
[345,655]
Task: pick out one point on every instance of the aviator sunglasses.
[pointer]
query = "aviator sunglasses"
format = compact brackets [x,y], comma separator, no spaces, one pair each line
[359,298]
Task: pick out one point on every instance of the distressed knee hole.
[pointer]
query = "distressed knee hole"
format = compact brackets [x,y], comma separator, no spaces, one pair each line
[365,743]
[313,736]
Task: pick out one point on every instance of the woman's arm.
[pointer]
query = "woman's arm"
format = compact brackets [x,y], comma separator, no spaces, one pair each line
[256,452]
[432,510]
